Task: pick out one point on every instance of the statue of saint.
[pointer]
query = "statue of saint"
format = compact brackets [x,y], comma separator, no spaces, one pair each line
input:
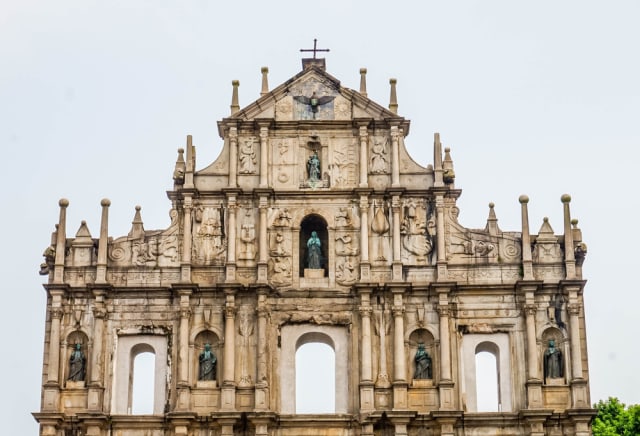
[553,363]
[313,167]
[77,364]
[314,255]
[207,364]
[423,364]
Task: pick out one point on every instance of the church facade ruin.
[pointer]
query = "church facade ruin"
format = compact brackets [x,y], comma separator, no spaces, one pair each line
[314,225]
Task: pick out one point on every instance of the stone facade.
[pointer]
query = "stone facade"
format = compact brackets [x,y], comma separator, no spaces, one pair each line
[403,293]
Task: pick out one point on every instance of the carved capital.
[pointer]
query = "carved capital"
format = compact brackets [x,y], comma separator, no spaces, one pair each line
[529,309]
[185,312]
[233,133]
[56,313]
[230,311]
[573,309]
[397,311]
[365,312]
[99,312]
[443,311]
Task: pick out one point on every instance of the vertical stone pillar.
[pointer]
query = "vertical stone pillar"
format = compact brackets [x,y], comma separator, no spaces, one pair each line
[397,262]
[228,374]
[366,371]
[262,384]
[395,157]
[364,239]
[183,350]
[529,310]
[185,264]
[363,154]
[442,255]
[233,157]
[58,271]
[263,242]
[400,399]
[574,334]
[101,268]
[264,136]
[231,239]
[96,385]
[446,383]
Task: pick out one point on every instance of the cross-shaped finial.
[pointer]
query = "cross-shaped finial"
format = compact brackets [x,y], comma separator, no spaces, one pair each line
[314,49]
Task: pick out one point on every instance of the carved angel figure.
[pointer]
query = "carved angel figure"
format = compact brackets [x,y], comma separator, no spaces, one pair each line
[314,101]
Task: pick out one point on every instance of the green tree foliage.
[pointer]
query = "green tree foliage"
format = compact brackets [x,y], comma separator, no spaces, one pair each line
[615,419]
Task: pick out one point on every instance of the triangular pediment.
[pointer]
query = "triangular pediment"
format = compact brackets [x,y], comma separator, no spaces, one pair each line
[313,94]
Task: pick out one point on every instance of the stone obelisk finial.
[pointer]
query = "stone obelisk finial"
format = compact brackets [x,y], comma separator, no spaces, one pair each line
[235,106]
[527,265]
[393,99]
[363,82]
[101,274]
[265,81]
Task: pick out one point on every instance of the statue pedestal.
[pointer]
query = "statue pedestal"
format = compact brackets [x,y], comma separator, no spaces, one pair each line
[75,384]
[207,384]
[313,273]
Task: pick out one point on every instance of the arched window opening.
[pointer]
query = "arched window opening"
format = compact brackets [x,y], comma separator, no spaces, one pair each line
[487,380]
[141,383]
[315,378]
[309,256]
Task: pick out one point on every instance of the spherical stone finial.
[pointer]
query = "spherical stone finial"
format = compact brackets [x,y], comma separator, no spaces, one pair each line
[523,199]
[83,222]
[363,71]
[63,202]
[181,150]
[105,202]
[545,219]
[447,149]
[393,81]
[264,69]
[492,205]
[566,198]
[574,222]
[235,83]
[138,208]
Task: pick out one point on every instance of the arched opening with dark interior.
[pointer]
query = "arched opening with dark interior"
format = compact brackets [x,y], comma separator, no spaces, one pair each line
[313,223]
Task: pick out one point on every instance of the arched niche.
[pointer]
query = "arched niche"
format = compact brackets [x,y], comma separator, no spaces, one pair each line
[553,334]
[75,369]
[420,336]
[201,339]
[309,224]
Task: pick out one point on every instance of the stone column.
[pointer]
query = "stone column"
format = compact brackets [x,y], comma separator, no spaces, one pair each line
[574,334]
[382,324]
[233,157]
[264,135]
[534,382]
[231,239]
[185,264]
[400,395]
[363,154]
[442,255]
[395,157]
[364,239]
[366,372]
[446,383]
[262,241]
[228,374]
[96,387]
[262,384]
[183,350]
[54,336]
[397,262]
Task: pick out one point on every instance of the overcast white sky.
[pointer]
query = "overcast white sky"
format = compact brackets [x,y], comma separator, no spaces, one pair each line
[541,98]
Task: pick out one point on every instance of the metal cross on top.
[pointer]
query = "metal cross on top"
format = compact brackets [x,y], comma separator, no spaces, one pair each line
[314,49]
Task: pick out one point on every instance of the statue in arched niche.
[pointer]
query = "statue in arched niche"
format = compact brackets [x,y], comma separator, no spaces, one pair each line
[207,370]
[77,364]
[553,362]
[423,364]
[314,253]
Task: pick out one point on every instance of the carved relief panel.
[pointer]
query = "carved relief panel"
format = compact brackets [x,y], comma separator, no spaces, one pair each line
[283,157]
[209,240]
[415,228]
